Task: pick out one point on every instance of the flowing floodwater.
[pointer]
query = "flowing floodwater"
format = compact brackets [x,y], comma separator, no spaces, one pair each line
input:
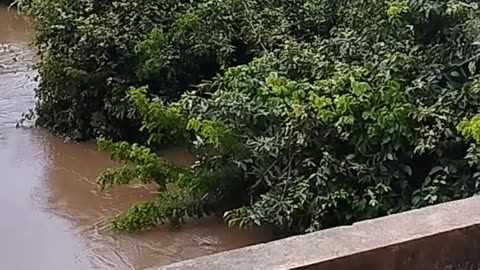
[51,215]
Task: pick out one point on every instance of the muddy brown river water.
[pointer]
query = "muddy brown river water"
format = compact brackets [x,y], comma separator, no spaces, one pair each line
[51,215]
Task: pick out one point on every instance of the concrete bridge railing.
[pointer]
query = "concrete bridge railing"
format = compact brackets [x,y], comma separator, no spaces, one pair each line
[445,237]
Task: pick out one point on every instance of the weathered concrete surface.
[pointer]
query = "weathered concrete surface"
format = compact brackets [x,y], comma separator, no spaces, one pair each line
[443,237]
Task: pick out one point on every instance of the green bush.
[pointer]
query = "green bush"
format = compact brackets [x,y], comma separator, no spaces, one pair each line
[87,60]
[352,118]
[91,51]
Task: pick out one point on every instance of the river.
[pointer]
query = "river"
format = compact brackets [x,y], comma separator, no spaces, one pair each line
[51,214]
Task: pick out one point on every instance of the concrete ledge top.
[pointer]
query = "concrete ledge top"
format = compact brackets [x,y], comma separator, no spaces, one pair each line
[326,245]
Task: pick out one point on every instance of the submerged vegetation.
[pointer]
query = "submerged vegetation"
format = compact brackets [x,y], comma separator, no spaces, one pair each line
[303,114]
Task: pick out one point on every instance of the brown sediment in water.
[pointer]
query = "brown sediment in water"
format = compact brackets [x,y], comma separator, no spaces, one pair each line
[52,215]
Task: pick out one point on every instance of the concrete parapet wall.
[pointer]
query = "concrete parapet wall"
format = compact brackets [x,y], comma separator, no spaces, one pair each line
[445,237]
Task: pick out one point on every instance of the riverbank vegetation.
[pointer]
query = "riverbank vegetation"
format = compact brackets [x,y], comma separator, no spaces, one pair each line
[303,114]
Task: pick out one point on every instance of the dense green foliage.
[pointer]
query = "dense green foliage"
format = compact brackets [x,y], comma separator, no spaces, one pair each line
[321,113]
[87,60]
[353,121]
[92,51]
